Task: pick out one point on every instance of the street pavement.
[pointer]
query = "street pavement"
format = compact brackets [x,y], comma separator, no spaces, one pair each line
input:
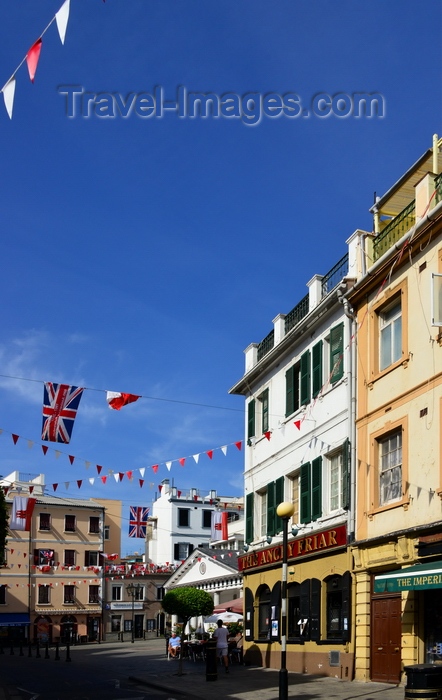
[142,671]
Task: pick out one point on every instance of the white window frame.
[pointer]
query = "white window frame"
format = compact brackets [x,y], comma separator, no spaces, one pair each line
[436,299]
[390,467]
[335,462]
[390,321]
[117,593]
[263,512]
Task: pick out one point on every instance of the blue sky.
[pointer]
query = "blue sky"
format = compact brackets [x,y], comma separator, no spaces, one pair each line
[144,254]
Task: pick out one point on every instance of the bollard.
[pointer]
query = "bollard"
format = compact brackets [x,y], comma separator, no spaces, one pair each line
[37,653]
[211,669]
[47,651]
[57,652]
[68,653]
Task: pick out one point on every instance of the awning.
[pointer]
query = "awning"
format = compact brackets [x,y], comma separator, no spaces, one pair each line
[235,606]
[414,578]
[14,619]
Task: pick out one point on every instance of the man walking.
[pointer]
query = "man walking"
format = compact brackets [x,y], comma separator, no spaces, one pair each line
[222,646]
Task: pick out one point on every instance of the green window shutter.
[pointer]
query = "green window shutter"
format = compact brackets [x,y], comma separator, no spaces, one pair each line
[251,419]
[271,508]
[317,368]
[279,497]
[305,378]
[336,353]
[265,410]
[316,488]
[305,493]
[346,475]
[249,517]
[290,391]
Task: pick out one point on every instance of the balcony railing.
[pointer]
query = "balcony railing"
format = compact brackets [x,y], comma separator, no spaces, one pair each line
[296,314]
[266,345]
[394,231]
[336,274]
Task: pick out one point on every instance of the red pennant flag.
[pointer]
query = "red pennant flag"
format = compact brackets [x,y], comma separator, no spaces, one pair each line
[238,444]
[209,453]
[54,486]
[155,468]
[268,434]
[182,461]
[71,459]
[160,488]
[103,479]
[44,448]
[129,474]
[121,475]
[297,423]
[141,482]
[195,498]
[179,494]
[31,488]
[15,438]
[117,400]
[99,469]
[79,482]
[32,58]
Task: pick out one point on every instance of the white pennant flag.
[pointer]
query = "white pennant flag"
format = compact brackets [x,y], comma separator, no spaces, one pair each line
[142,470]
[117,477]
[168,465]
[8,96]
[196,458]
[92,481]
[62,17]
[224,450]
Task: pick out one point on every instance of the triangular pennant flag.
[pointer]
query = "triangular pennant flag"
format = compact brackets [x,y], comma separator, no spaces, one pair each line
[168,465]
[103,479]
[30,444]
[141,482]
[87,465]
[297,423]
[55,486]
[32,58]
[8,96]
[209,453]
[182,461]
[31,488]
[92,481]
[224,450]
[160,487]
[62,17]
[129,475]
[238,444]
[71,458]
[142,471]
[196,458]
[116,477]
[67,484]
[44,448]
[15,438]
[155,468]
[79,483]
[268,434]
[99,469]
[57,454]
[121,475]
[117,400]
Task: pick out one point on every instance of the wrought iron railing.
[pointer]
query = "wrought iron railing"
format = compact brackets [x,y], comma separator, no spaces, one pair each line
[296,314]
[394,230]
[438,188]
[266,345]
[336,274]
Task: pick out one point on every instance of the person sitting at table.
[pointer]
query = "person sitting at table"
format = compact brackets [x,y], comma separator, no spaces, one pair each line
[174,645]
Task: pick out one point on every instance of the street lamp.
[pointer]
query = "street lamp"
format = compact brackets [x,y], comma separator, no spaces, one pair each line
[134,591]
[284,511]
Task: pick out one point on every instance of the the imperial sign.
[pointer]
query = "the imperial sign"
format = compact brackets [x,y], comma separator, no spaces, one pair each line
[299,548]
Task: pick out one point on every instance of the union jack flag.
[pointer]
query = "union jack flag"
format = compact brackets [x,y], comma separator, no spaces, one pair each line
[138,521]
[60,405]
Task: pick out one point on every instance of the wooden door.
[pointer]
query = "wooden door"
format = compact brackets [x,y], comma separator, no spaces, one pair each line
[386,639]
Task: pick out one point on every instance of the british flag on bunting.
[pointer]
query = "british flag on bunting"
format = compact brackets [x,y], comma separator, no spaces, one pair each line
[60,405]
[138,521]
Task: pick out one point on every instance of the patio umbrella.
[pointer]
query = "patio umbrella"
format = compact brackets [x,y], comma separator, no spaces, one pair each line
[225,617]
[234,606]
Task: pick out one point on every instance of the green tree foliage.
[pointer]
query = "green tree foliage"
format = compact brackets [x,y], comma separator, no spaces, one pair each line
[3,526]
[186,603]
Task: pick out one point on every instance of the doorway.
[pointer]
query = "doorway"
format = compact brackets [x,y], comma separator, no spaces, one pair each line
[386,639]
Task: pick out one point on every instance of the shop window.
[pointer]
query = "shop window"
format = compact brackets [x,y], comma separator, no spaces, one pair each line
[69,557]
[2,595]
[94,594]
[44,594]
[69,523]
[69,594]
[183,517]
[294,611]
[390,334]
[45,521]
[150,626]
[264,613]
[116,623]
[94,525]
[390,467]
[338,607]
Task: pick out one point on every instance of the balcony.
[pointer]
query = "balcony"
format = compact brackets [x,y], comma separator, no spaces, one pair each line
[266,345]
[335,276]
[297,314]
[394,230]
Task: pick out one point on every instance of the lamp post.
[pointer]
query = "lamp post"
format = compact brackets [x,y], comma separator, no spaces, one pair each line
[133,589]
[285,511]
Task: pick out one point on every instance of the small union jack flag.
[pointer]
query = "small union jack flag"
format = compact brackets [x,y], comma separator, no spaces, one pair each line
[60,405]
[138,521]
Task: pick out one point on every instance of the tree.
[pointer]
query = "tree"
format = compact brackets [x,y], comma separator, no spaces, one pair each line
[187,602]
[3,526]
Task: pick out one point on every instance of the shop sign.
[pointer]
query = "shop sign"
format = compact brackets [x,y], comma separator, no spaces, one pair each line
[413,578]
[296,549]
[136,605]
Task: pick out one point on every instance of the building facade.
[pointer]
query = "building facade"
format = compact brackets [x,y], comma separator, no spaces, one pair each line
[398,539]
[181,520]
[298,387]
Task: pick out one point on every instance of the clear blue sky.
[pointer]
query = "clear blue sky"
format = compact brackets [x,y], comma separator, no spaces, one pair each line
[144,254]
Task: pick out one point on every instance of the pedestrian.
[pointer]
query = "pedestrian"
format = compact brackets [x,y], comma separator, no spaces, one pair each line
[222,645]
